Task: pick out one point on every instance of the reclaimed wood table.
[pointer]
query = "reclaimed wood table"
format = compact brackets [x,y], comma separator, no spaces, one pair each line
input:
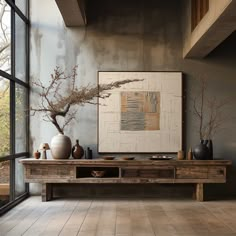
[198,172]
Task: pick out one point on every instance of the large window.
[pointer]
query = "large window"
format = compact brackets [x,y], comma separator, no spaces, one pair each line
[14,95]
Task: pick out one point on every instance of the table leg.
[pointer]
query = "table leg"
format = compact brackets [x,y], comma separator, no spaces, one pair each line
[200,192]
[47,192]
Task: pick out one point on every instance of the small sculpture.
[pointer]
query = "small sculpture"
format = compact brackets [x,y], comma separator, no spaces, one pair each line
[44,147]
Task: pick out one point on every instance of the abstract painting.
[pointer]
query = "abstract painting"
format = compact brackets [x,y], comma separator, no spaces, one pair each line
[143,116]
[140,111]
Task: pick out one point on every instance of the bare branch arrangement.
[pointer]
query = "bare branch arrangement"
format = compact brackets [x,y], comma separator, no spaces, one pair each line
[55,103]
[209,111]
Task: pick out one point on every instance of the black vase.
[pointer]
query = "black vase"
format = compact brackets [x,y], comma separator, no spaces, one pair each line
[201,151]
[210,147]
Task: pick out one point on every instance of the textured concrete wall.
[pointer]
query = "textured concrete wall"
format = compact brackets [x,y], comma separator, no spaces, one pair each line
[128,36]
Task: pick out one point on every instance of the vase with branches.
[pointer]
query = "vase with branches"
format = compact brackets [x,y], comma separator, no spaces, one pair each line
[56,103]
[210,114]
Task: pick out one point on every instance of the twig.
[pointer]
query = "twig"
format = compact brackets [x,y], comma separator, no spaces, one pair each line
[55,103]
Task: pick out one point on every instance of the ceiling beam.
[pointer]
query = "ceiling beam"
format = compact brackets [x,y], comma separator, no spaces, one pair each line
[223,26]
[73,12]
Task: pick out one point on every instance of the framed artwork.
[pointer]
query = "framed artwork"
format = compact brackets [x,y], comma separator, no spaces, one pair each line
[143,116]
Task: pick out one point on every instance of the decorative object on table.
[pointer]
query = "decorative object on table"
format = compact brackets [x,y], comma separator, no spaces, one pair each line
[201,151]
[209,111]
[190,154]
[44,147]
[160,158]
[56,103]
[37,154]
[61,147]
[77,151]
[98,173]
[108,157]
[138,118]
[210,147]
[180,155]
[128,158]
[89,153]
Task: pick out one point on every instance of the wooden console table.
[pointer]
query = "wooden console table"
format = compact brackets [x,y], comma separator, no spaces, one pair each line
[48,172]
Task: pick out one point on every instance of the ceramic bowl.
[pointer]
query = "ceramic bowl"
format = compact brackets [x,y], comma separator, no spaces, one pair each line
[98,173]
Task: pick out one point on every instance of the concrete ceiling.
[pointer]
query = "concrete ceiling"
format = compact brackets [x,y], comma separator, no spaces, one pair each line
[73,12]
[223,26]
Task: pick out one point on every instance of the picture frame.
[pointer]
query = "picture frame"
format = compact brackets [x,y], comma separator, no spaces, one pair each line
[143,116]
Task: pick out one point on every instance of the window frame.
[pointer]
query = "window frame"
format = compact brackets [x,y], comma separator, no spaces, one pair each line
[12,157]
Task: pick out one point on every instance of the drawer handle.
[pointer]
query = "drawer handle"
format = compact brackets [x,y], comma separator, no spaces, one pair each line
[220,172]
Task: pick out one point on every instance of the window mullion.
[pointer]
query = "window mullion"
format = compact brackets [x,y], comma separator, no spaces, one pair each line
[12,108]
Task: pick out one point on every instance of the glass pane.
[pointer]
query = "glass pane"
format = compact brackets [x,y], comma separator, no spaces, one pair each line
[5,37]
[21,119]
[4,117]
[19,181]
[21,4]
[20,51]
[4,182]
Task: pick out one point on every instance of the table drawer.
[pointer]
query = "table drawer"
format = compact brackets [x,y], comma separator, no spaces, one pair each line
[49,172]
[161,173]
[192,172]
[218,172]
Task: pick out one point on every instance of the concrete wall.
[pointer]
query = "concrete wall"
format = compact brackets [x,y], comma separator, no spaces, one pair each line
[128,36]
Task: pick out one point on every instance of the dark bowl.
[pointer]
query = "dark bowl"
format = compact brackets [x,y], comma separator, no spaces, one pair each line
[128,158]
[108,157]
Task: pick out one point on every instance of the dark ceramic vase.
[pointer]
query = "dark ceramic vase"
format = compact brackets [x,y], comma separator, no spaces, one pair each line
[89,153]
[210,147]
[201,151]
[77,151]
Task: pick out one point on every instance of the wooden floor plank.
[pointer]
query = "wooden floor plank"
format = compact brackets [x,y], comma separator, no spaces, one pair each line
[11,214]
[107,220]
[58,221]
[120,217]
[90,224]
[28,221]
[140,223]
[76,219]
[12,220]
[123,220]
[44,220]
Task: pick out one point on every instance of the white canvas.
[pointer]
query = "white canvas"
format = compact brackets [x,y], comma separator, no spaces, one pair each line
[168,138]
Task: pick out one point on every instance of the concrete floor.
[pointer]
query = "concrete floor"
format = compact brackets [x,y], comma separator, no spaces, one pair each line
[120,217]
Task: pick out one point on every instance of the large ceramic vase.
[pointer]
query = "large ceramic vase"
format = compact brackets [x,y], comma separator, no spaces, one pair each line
[201,151]
[61,147]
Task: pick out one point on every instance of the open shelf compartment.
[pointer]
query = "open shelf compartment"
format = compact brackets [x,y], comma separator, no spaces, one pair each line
[86,172]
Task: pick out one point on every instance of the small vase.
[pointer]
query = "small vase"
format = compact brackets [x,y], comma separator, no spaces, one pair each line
[210,147]
[61,147]
[77,151]
[201,151]
[89,153]
[190,154]
[37,154]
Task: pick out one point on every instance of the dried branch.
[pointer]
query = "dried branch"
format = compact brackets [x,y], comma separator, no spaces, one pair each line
[208,111]
[55,103]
